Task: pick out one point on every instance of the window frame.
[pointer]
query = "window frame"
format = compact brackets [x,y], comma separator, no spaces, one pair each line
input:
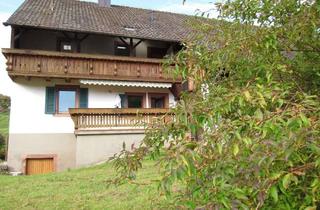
[166,99]
[144,104]
[66,88]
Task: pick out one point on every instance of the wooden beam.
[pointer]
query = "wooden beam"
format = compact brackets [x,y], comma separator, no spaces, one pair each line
[84,37]
[78,55]
[12,43]
[79,41]
[136,45]
[131,45]
[176,90]
[66,35]
[132,54]
[124,41]
[17,36]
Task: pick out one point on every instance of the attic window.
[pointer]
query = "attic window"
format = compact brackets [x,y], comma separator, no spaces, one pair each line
[129,29]
[121,47]
[67,47]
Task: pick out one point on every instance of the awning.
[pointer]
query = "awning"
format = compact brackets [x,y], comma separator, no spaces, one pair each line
[126,83]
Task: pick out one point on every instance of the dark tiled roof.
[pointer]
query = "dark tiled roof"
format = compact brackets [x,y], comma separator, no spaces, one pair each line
[80,16]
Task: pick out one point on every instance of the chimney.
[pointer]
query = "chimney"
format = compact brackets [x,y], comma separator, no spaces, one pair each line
[104,3]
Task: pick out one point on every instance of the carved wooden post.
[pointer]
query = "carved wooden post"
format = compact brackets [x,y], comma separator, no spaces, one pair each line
[39,66]
[138,71]
[115,70]
[9,63]
[91,67]
[66,67]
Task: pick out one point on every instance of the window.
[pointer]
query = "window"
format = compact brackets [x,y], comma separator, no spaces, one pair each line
[121,49]
[155,52]
[66,46]
[59,99]
[135,101]
[158,100]
[132,100]
[67,99]
[138,100]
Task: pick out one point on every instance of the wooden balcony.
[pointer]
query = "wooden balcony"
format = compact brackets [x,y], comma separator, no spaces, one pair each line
[49,64]
[106,119]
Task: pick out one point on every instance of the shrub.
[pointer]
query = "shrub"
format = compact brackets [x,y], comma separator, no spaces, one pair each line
[2,147]
[4,103]
[248,135]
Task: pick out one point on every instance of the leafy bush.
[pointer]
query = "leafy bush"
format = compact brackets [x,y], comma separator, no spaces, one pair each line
[248,135]
[2,147]
[4,103]
[3,168]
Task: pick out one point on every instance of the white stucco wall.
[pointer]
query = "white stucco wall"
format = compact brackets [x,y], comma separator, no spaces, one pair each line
[27,114]
[101,97]
[6,85]
[92,149]
[28,105]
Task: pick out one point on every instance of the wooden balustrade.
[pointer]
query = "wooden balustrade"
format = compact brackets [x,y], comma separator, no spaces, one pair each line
[112,118]
[49,64]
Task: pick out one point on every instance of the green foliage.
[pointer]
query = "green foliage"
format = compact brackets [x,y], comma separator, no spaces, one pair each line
[2,147]
[4,125]
[248,136]
[4,103]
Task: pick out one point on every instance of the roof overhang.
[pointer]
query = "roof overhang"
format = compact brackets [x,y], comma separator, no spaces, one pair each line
[180,40]
[127,83]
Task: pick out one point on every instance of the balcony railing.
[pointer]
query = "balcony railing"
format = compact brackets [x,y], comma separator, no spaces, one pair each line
[49,64]
[104,119]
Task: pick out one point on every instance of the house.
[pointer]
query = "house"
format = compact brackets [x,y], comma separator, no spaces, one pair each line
[88,77]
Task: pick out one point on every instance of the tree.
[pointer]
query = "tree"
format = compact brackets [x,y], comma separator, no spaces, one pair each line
[248,135]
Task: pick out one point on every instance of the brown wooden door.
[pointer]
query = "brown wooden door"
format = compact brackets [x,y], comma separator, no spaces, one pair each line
[39,166]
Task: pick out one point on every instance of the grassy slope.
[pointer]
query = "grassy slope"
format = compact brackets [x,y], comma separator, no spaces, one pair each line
[4,123]
[80,189]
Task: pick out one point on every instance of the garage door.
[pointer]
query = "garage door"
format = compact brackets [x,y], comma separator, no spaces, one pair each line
[39,166]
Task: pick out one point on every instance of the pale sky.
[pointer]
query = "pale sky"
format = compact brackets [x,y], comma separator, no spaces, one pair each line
[7,7]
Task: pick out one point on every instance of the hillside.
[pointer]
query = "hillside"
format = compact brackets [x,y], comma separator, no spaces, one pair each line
[4,130]
[4,123]
[81,189]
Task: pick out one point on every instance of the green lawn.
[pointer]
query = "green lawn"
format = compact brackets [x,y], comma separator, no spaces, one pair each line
[81,189]
[4,123]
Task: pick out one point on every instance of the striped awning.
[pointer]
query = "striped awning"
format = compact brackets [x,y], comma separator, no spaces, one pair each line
[126,83]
